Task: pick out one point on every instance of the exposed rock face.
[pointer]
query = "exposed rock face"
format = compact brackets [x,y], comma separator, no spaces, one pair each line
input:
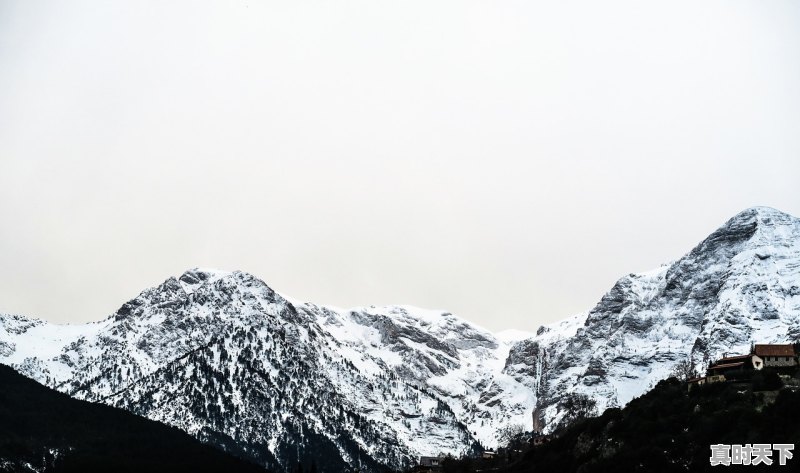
[224,357]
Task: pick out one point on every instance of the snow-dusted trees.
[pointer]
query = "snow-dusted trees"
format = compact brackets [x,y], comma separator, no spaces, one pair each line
[684,370]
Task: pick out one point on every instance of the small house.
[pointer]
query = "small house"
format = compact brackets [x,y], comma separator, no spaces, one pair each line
[777,356]
[430,463]
[718,378]
[735,364]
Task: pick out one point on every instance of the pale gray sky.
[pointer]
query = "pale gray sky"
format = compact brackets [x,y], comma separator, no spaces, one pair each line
[504,160]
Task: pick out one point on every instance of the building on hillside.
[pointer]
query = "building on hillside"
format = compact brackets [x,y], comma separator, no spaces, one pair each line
[777,356]
[734,364]
[488,454]
[429,464]
[781,357]
[705,380]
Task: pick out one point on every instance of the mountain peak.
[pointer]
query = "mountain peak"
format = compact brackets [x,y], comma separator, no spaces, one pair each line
[761,214]
[198,275]
[755,226]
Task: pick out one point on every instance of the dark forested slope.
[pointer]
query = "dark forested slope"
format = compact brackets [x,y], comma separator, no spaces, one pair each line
[669,429]
[47,431]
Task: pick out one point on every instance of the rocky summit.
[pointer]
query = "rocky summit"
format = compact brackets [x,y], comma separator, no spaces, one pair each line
[739,285]
[225,358]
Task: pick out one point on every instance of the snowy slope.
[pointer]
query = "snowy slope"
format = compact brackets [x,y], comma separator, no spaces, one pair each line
[224,357]
[741,284]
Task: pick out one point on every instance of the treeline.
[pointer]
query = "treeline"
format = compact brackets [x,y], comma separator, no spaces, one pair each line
[45,430]
[668,429]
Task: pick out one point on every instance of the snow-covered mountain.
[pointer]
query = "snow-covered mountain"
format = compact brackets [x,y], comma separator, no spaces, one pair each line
[739,285]
[224,357]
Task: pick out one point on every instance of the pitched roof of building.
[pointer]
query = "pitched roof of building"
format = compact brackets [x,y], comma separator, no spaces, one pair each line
[733,359]
[727,365]
[774,350]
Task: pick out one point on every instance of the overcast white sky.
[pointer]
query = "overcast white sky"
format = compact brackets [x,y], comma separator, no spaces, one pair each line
[504,160]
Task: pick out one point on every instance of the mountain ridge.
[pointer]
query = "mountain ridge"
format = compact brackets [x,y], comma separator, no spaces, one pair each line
[210,345]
